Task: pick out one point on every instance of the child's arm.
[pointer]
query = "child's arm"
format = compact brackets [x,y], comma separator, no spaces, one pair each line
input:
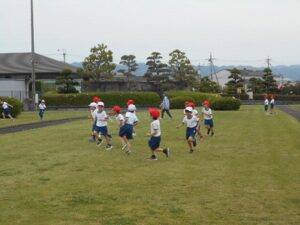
[179,125]
[149,134]
[10,105]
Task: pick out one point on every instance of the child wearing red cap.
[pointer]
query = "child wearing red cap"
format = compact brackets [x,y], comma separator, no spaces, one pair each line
[272,103]
[120,122]
[191,123]
[207,115]
[128,103]
[266,104]
[155,135]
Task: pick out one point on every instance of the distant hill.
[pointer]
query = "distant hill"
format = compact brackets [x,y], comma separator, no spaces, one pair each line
[289,72]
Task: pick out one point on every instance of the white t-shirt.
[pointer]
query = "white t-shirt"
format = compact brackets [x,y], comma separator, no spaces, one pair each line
[266,102]
[272,101]
[101,118]
[131,118]
[42,106]
[93,114]
[155,126]
[5,105]
[119,119]
[207,113]
[192,122]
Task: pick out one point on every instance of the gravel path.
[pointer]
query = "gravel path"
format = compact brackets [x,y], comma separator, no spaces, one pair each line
[290,111]
[22,127]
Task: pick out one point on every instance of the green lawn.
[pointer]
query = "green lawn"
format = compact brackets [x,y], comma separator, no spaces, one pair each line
[33,117]
[249,173]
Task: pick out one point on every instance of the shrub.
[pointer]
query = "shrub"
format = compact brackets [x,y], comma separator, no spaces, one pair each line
[17,106]
[239,96]
[197,96]
[109,98]
[178,102]
[225,103]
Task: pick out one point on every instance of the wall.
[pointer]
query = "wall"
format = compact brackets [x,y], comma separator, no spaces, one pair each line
[13,88]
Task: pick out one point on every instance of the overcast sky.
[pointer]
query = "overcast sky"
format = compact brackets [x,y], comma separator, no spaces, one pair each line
[235,31]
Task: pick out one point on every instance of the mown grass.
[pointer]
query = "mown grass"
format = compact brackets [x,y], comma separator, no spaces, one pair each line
[247,174]
[33,117]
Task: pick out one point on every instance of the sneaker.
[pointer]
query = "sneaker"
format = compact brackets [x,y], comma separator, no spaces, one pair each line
[166,151]
[191,151]
[108,147]
[152,158]
[124,147]
[128,151]
[134,134]
[99,143]
[195,142]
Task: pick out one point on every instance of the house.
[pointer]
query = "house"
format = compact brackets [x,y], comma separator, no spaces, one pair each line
[222,76]
[16,70]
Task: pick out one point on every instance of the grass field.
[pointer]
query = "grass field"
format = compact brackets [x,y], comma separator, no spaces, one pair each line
[32,117]
[249,173]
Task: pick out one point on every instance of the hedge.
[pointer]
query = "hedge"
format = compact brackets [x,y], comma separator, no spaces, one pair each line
[239,96]
[17,106]
[109,98]
[198,97]
[178,101]
[225,103]
[278,97]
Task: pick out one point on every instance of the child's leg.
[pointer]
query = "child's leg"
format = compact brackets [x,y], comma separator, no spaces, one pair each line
[190,143]
[212,131]
[3,115]
[10,117]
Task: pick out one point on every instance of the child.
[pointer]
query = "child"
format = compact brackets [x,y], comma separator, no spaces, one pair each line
[125,133]
[266,104]
[191,123]
[42,107]
[132,102]
[155,134]
[207,115]
[120,122]
[195,113]
[93,106]
[100,117]
[272,103]
[6,111]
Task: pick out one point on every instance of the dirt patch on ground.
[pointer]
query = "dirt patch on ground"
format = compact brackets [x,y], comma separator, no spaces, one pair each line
[22,127]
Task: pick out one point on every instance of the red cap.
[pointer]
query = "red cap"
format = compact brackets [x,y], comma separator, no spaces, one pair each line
[96,99]
[205,103]
[116,109]
[155,113]
[191,104]
[130,101]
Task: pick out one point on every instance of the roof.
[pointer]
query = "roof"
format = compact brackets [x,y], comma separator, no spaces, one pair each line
[20,63]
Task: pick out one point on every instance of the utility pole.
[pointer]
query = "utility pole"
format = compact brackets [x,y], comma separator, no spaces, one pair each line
[268,61]
[212,68]
[64,53]
[32,59]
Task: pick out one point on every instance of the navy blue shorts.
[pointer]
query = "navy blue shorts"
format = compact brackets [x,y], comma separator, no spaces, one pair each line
[102,130]
[272,106]
[126,130]
[42,112]
[266,108]
[154,142]
[94,126]
[6,111]
[191,132]
[209,122]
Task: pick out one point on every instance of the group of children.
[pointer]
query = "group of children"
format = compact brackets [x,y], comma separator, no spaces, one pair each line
[126,125]
[269,104]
